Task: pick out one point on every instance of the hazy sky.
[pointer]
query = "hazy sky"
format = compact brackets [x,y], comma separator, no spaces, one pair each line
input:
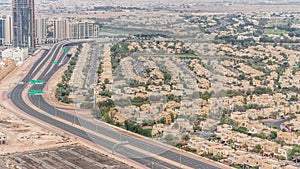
[157,1]
[5,5]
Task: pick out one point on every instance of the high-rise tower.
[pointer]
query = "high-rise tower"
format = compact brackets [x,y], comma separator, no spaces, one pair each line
[23,23]
[2,30]
[40,30]
[8,37]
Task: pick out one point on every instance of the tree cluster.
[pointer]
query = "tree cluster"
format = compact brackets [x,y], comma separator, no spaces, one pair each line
[131,126]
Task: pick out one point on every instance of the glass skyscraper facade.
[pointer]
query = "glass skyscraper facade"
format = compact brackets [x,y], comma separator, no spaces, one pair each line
[23,23]
[2,33]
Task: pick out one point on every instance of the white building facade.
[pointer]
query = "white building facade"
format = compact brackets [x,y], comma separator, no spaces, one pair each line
[16,54]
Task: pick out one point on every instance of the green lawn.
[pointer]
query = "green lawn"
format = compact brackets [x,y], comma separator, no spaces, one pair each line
[114,31]
[275,31]
[274,23]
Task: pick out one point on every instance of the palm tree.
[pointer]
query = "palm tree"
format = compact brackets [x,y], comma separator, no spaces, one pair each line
[185,137]
[273,115]
[230,141]
[245,146]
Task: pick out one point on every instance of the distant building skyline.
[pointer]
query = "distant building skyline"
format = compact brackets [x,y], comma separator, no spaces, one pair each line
[23,23]
[64,29]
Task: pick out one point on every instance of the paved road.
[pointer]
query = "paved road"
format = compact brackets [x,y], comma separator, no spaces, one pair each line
[276,123]
[150,146]
[93,69]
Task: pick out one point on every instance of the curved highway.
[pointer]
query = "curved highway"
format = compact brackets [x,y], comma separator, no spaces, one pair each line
[147,146]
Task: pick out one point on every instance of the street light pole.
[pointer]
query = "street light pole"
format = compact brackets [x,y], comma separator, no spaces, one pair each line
[148,150]
[94,96]
[55,113]
[180,159]
[151,162]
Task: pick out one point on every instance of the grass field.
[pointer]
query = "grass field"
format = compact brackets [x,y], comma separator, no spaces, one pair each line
[274,23]
[114,31]
[275,31]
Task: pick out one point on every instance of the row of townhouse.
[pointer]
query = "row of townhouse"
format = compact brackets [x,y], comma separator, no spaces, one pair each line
[294,124]
[236,156]
[253,160]
[246,142]
[289,138]
[249,114]
[213,104]
[265,112]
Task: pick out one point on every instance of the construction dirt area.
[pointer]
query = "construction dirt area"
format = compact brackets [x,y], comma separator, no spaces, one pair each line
[66,157]
[23,136]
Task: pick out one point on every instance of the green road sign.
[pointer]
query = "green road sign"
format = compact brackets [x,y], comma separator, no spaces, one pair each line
[64,49]
[36,92]
[36,81]
[55,63]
